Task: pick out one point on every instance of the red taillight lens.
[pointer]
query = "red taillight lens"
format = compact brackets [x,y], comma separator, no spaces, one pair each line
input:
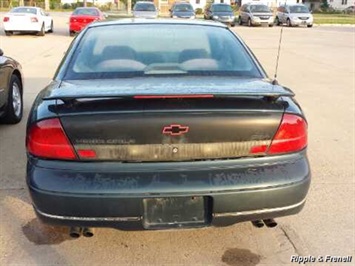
[34,19]
[291,135]
[72,19]
[6,19]
[47,139]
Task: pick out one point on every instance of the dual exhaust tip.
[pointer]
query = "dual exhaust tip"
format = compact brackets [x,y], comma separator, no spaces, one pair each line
[271,223]
[76,232]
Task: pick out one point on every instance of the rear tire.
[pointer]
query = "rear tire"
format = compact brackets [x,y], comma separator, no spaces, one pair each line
[51,28]
[271,25]
[42,32]
[14,107]
[233,25]
[8,33]
[310,26]
[71,33]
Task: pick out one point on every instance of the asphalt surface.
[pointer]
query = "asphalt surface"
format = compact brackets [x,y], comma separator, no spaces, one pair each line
[318,64]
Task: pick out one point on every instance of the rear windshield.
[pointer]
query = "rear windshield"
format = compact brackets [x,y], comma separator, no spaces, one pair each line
[221,8]
[144,7]
[259,8]
[24,10]
[86,11]
[159,49]
[183,8]
[299,9]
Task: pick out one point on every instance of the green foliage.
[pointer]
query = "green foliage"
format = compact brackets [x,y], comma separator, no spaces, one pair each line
[199,11]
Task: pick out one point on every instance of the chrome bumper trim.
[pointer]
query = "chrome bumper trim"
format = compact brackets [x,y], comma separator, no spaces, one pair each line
[262,211]
[89,219]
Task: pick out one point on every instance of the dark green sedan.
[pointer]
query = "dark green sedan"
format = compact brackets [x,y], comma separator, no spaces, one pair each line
[164,124]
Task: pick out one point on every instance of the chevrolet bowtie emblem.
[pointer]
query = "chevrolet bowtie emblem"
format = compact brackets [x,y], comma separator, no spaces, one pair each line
[175,130]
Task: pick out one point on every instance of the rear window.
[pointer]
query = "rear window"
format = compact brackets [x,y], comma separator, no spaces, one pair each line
[24,10]
[86,11]
[159,49]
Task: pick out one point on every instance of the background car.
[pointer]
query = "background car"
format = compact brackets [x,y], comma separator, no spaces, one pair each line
[182,10]
[11,90]
[145,10]
[82,16]
[294,15]
[127,136]
[256,14]
[27,19]
[349,10]
[220,12]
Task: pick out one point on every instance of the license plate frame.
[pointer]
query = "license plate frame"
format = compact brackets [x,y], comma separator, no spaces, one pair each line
[176,212]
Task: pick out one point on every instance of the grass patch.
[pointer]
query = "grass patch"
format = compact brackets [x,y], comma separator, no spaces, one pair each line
[334,19]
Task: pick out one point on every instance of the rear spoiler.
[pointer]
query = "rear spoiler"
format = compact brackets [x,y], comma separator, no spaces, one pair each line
[268,95]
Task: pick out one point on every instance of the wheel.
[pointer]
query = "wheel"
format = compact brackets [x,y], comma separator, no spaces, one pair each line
[277,21]
[71,33]
[233,25]
[310,26]
[249,22]
[271,25]
[14,107]
[240,22]
[8,33]
[289,23]
[51,29]
[42,32]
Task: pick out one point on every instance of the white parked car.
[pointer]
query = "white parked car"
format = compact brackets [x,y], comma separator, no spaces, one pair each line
[27,19]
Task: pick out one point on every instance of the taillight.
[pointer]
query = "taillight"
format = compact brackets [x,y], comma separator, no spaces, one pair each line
[291,136]
[34,19]
[72,19]
[47,139]
[6,19]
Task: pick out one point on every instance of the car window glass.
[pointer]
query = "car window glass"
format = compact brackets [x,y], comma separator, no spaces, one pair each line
[259,8]
[222,8]
[162,49]
[24,10]
[298,9]
[86,11]
[183,8]
[144,7]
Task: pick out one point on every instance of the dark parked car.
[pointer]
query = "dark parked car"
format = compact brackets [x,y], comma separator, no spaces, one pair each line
[177,126]
[11,90]
[182,10]
[220,12]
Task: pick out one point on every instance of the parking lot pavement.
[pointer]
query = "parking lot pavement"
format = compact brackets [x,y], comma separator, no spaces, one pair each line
[318,64]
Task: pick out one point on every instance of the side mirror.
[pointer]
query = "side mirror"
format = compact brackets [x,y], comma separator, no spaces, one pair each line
[1,52]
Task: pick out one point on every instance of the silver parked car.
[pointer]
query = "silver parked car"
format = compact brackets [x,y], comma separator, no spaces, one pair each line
[294,15]
[145,10]
[254,14]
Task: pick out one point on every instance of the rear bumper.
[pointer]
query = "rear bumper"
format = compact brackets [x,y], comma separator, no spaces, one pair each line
[111,195]
[21,27]
[76,26]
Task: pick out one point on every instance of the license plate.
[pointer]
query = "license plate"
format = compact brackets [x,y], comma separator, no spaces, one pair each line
[175,212]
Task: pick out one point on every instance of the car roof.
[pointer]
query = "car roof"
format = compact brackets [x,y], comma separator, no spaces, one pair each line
[256,4]
[220,4]
[143,21]
[294,5]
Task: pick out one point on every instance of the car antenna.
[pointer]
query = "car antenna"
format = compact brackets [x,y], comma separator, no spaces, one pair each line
[274,82]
